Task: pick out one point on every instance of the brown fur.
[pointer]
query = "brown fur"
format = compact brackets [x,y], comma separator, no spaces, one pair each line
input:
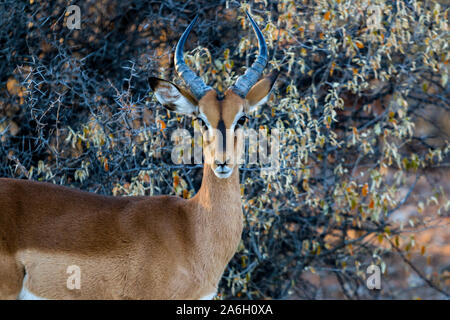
[127,247]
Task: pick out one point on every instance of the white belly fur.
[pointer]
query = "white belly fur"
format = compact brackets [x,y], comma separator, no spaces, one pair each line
[25,294]
[208,297]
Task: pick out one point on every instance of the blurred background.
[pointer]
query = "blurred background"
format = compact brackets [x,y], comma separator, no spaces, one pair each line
[363,96]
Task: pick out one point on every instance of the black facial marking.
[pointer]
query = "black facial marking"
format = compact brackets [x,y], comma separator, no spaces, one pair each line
[223,130]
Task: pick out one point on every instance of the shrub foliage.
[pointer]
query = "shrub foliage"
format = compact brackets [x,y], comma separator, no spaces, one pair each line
[362,98]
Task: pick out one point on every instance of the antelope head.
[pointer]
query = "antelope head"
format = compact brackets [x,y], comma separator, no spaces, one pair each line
[218,115]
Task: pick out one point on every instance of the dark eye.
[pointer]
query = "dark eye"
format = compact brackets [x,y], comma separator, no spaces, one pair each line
[202,123]
[242,120]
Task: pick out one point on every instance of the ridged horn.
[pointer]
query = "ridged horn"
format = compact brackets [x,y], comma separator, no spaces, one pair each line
[194,82]
[245,82]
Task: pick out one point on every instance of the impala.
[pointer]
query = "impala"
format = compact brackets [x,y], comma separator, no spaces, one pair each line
[159,247]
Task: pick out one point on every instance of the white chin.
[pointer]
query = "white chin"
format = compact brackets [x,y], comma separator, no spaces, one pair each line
[223,174]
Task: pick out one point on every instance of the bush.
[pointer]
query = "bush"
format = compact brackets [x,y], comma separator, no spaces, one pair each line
[362,96]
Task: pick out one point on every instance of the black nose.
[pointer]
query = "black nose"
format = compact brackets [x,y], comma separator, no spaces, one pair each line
[221,163]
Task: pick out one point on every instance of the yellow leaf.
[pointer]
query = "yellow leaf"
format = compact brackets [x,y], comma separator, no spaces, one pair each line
[333,64]
[176,181]
[226,54]
[79,144]
[380,238]
[305,184]
[327,15]
[13,86]
[354,203]
[359,44]
[365,190]
[162,124]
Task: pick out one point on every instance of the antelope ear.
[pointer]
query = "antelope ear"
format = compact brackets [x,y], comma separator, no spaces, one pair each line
[172,97]
[260,92]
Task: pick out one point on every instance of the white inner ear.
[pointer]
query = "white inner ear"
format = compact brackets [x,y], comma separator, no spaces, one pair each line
[169,94]
[253,107]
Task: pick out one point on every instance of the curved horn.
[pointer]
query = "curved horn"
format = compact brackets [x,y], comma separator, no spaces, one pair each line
[251,76]
[194,82]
